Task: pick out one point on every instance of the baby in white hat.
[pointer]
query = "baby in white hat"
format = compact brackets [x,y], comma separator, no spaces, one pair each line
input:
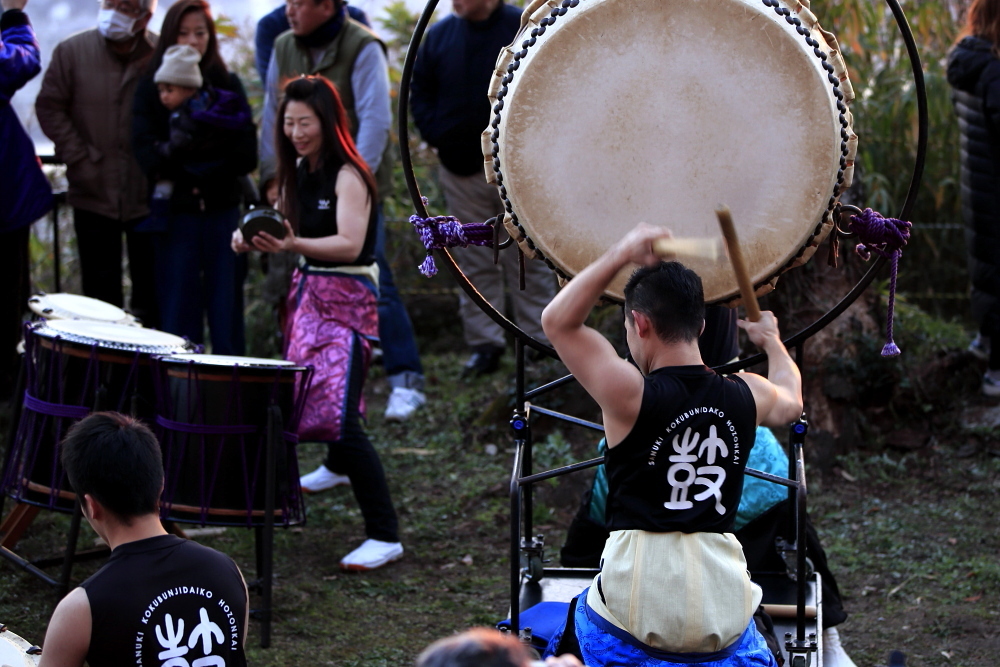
[178,80]
[179,76]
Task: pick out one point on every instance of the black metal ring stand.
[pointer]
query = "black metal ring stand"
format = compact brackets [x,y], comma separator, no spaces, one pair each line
[521,502]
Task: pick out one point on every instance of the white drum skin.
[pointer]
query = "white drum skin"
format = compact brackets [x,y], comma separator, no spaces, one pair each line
[109,335]
[660,110]
[14,651]
[65,306]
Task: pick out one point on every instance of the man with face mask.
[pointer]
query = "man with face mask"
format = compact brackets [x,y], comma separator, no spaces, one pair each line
[85,108]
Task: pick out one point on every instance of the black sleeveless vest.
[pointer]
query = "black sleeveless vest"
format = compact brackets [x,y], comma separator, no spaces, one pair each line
[317,199]
[164,598]
[681,466]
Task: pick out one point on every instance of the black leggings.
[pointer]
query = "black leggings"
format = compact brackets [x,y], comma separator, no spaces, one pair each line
[353,455]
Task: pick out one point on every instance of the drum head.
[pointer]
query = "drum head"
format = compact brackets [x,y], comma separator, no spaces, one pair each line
[112,336]
[63,306]
[219,367]
[659,111]
[227,360]
[13,651]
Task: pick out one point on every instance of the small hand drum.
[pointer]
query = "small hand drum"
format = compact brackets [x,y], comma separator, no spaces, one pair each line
[262,219]
[612,112]
[63,306]
[16,652]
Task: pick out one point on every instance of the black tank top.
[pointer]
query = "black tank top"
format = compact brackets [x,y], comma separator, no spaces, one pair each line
[681,466]
[162,598]
[317,198]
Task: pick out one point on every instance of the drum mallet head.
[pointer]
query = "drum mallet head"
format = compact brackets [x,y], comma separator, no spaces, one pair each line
[699,248]
[739,266]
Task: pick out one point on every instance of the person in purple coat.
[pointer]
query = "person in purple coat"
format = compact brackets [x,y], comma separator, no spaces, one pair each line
[25,193]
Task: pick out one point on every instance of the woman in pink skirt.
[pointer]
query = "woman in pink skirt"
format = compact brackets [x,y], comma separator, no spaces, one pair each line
[328,199]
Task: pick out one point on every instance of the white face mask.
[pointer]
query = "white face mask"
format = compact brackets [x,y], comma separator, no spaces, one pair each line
[115,26]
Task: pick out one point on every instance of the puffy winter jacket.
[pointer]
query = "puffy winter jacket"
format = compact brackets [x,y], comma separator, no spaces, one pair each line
[974,75]
[25,194]
[85,108]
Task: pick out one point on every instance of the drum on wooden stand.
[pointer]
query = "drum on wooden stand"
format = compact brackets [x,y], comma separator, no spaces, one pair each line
[612,112]
[212,413]
[73,367]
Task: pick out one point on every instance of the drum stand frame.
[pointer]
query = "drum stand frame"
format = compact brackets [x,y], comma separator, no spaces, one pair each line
[23,514]
[522,477]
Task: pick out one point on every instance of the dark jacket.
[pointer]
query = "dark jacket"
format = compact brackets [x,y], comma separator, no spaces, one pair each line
[25,194]
[205,175]
[974,75]
[451,78]
[85,108]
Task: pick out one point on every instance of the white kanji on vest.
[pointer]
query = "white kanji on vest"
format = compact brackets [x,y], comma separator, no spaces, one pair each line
[713,488]
[682,474]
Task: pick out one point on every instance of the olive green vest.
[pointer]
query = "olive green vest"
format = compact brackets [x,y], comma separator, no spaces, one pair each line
[337,65]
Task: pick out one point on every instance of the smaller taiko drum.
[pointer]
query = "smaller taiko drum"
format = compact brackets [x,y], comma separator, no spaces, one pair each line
[74,367]
[212,416]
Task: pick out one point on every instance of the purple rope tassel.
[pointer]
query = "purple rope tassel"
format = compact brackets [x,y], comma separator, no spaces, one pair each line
[447,231]
[884,237]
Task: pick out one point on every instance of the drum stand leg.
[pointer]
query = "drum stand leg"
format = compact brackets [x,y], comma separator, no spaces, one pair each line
[265,534]
[15,421]
[74,534]
[11,531]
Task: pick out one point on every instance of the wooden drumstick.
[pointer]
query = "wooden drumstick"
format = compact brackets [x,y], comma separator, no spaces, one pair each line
[702,248]
[739,266]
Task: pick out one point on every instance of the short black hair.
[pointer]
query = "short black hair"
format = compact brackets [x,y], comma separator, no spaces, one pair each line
[671,296]
[117,460]
[478,647]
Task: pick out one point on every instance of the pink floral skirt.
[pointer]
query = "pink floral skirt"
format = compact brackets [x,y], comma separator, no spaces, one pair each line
[328,314]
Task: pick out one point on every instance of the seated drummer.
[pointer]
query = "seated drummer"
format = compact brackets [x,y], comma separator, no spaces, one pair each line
[674,579]
[159,599]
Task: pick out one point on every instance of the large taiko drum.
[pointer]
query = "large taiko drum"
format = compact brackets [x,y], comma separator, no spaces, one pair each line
[611,112]
[74,367]
[212,413]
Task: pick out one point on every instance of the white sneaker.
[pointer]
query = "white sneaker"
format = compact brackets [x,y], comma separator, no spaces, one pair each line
[991,386]
[980,347]
[370,555]
[402,403]
[834,654]
[322,479]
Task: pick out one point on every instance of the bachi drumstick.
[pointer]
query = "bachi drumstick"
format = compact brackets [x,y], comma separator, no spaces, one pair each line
[739,266]
[702,248]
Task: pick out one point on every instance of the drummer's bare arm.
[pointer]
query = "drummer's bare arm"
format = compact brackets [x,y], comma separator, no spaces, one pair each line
[779,396]
[613,382]
[353,210]
[67,638]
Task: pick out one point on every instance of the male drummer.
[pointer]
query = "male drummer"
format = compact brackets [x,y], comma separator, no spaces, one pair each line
[159,599]
[674,577]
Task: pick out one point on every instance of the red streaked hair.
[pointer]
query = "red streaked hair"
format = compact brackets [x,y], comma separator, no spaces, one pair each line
[320,95]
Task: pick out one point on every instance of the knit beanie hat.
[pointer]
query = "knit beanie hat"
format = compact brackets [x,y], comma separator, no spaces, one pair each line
[180,67]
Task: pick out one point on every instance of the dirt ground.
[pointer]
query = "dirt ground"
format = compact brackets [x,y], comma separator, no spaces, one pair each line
[909,524]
